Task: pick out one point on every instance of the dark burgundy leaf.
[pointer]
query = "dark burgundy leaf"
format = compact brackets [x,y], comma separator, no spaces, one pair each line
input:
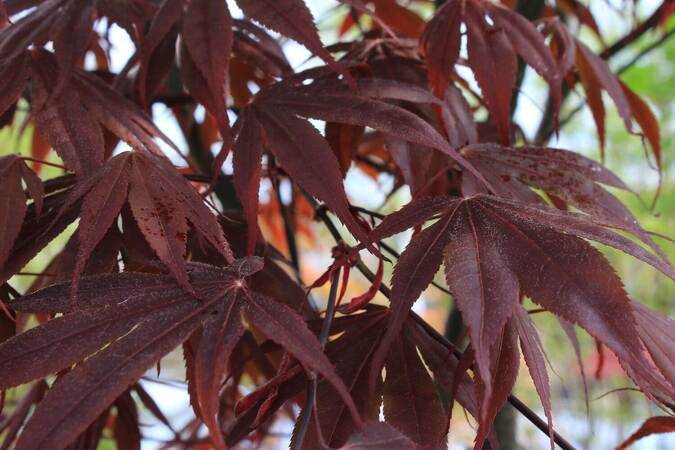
[68,339]
[12,204]
[306,156]
[441,43]
[332,101]
[121,350]
[11,426]
[94,292]
[344,140]
[350,352]
[571,333]
[411,401]
[207,32]
[484,289]
[530,45]
[126,431]
[168,13]
[493,62]
[412,274]
[414,161]
[13,74]
[72,39]
[534,358]
[443,365]
[458,119]
[119,115]
[100,208]
[81,394]
[162,203]
[579,225]
[246,171]
[163,225]
[15,39]
[573,178]
[66,124]
[656,332]
[218,337]
[505,372]
[410,215]
[35,235]
[576,282]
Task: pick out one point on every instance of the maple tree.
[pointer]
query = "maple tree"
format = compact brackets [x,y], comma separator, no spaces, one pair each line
[166,257]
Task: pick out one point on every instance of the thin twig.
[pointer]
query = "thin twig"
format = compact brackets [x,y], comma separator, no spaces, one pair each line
[367,212]
[306,414]
[37,274]
[638,31]
[645,51]
[46,163]
[289,228]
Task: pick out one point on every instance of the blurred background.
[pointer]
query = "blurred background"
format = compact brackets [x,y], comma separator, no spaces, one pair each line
[614,412]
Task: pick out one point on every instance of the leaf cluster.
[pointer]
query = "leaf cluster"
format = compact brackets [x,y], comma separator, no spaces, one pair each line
[192,257]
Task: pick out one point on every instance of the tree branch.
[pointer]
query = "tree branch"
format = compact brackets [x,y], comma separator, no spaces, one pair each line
[306,414]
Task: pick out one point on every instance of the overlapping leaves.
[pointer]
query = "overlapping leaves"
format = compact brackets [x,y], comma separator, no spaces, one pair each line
[13,200]
[162,202]
[124,324]
[304,153]
[495,251]
[492,49]
[418,366]
[499,241]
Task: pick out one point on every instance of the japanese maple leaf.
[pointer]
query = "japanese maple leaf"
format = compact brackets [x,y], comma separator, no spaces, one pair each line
[125,323]
[14,73]
[423,420]
[291,18]
[494,250]
[162,202]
